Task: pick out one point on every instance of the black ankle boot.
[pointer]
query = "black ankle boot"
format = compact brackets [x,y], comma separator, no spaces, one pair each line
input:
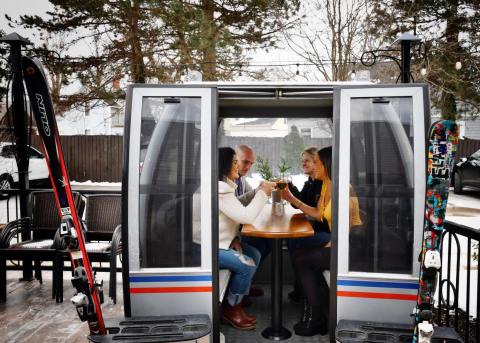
[316,323]
[296,296]
[305,315]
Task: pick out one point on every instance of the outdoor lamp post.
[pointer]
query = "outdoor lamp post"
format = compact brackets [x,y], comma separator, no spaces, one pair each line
[19,115]
[406,40]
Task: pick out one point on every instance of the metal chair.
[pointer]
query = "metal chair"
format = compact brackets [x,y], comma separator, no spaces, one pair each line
[41,227]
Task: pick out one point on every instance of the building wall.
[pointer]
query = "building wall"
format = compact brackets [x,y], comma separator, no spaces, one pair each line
[101,120]
[472,128]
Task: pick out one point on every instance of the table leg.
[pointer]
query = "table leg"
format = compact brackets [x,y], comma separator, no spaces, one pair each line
[276,331]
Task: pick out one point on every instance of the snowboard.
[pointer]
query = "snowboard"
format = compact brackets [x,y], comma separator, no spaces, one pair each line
[443,139]
[89,294]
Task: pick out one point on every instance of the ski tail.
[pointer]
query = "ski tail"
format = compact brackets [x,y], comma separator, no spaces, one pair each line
[89,292]
[443,140]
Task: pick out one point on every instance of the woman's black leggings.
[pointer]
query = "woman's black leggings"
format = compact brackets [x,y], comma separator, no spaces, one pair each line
[309,263]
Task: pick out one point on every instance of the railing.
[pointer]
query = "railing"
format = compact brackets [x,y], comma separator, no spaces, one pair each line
[457,287]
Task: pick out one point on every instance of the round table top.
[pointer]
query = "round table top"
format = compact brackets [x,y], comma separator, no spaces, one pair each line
[292,224]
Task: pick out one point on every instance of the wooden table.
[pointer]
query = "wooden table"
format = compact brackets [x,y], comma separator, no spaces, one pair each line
[292,224]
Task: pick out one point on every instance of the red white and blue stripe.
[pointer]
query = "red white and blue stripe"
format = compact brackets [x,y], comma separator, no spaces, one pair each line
[170,284]
[388,290]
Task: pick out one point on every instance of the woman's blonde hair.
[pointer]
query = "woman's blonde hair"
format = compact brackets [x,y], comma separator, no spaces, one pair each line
[310,151]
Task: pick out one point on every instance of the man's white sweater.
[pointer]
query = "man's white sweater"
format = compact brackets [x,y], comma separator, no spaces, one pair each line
[233,213]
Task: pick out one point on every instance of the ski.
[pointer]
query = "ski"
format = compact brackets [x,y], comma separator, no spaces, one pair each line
[443,139]
[89,294]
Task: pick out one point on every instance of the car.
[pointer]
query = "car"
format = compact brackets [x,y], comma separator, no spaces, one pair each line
[37,169]
[466,172]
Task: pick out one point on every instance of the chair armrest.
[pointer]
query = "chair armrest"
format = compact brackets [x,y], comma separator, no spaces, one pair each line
[116,240]
[84,225]
[12,229]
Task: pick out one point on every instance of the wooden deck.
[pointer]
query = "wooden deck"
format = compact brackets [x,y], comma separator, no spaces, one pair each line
[31,315]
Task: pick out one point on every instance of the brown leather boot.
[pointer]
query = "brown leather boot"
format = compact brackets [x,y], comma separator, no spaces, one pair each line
[236,317]
[251,318]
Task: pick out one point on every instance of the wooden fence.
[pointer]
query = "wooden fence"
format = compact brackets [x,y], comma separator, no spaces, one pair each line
[99,158]
[271,148]
[466,147]
[95,158]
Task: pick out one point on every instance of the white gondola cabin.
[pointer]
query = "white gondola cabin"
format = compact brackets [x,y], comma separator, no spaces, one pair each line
[170,205]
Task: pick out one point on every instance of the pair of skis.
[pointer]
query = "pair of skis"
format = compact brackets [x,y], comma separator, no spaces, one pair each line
[89,292]
[443,139]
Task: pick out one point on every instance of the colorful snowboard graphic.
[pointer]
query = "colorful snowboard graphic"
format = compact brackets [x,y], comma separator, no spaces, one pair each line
[89,292]
[443,139]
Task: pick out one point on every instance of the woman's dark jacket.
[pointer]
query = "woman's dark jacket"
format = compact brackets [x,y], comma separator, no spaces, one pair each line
[310,194]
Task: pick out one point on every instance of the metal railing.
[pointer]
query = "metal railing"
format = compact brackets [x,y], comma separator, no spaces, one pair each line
[456,288]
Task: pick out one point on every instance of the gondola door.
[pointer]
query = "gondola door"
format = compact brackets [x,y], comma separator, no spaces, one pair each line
[379,158]
[169,207]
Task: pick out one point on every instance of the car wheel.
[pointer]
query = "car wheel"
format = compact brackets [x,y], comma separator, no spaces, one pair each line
[6,183]
[457,183]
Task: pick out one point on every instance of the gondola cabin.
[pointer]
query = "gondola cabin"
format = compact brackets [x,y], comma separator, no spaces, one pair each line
[170,199]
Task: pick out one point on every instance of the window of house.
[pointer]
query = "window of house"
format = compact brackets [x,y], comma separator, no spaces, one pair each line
[118,116]
[306,132]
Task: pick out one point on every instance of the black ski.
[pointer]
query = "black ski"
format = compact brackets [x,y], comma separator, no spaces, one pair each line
[89,293]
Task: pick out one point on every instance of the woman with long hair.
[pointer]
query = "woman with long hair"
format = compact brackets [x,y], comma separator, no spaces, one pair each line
[309,194]
[309,262]
[240,258]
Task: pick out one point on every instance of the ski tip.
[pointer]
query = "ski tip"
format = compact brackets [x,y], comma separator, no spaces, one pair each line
[32,66]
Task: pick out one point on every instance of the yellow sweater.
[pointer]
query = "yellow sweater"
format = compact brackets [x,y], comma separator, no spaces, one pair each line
[327,210]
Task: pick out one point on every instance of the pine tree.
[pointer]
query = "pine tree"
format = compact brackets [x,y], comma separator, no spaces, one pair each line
[156,40]
[450,31]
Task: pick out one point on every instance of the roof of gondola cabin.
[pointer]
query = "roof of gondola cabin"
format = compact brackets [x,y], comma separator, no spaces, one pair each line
[275,99]
[271,98]
[275,84]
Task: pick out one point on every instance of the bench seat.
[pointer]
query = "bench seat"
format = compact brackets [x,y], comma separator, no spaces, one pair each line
[223,279]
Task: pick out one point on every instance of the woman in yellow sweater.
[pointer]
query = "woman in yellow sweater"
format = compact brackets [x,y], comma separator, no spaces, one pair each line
[309,262]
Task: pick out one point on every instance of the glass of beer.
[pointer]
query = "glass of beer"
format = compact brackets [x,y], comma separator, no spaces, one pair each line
[281,184]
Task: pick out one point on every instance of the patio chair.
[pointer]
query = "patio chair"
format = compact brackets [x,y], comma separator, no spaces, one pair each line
[41,226]
[103,235]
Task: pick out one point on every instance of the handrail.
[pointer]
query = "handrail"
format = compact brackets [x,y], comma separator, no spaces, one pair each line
[470,330]
[462,230]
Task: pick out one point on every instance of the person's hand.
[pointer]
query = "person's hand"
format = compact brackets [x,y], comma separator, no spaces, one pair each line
[236,245]
[268,187]
[287,195]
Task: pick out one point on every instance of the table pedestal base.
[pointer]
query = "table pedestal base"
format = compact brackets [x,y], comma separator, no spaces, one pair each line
[276,335]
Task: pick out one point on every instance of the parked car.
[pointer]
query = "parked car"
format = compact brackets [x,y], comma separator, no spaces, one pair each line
[466,172]
[37,170]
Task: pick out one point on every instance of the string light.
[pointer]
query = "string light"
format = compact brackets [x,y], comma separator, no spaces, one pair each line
[458,65]
[423,71]
[298,72]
